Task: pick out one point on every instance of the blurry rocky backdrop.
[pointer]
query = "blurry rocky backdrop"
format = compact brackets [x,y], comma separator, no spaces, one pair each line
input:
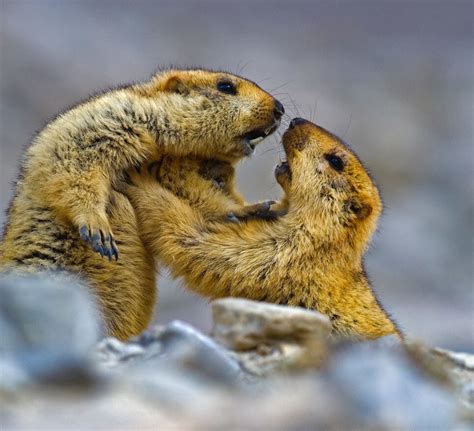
[393,78]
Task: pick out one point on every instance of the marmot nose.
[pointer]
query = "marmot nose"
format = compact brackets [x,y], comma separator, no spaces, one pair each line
[279,110]
[296,121]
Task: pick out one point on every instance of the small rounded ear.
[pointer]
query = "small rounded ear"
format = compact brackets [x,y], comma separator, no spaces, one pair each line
[174,84]
[360,209]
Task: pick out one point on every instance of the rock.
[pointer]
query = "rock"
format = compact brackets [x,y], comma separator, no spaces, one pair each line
[384,386]
[270,337]
[448,368]
[175,377]
[176,347]
[241,324]
[48,326]
[112,352]
[182,344]
[176,365]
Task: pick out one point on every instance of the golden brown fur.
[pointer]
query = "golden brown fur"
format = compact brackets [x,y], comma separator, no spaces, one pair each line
[69,172]
[312,257]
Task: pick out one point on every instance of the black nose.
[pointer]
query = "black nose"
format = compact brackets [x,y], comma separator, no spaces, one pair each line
[297,121]
[279,110]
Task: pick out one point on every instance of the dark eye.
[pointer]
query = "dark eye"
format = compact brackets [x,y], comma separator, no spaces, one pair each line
[335,162]
[226,87]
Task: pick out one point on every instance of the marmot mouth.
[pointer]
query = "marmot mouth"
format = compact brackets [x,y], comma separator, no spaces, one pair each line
[254,137]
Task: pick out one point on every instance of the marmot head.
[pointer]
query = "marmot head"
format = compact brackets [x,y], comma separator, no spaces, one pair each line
[228,113]
[324,179]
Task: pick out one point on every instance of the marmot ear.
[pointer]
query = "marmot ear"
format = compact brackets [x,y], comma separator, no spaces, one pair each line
[360,209]
[174,84]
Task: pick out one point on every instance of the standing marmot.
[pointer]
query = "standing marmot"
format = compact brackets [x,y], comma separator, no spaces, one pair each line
[312,257]
[76,159]
[39,237]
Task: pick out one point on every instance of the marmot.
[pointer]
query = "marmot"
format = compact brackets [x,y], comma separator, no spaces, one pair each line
[76,159]
[37,237]
[311,257]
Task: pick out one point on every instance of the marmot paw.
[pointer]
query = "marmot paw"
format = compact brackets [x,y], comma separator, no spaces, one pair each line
[101,240]
[262,210]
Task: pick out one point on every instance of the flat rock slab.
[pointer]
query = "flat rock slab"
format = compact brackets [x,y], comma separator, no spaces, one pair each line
[241,324]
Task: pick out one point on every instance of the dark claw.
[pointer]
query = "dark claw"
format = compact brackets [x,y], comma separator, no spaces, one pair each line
[96,244]
[265,206]
[110,254]
[231,217]
[115,251]
[107,245]
[99,249]
[84,233]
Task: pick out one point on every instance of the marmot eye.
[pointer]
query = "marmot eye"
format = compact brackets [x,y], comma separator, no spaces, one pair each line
[335,162]
[226,87]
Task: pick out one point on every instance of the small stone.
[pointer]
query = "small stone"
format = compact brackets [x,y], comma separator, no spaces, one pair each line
[241,324]
[150,336]
[112,352]
[271,338]
[184,345]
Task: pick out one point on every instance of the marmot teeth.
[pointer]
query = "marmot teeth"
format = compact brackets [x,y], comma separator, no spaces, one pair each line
[255,141]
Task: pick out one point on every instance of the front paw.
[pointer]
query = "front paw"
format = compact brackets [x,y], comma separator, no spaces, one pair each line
[262,210]
[98,234]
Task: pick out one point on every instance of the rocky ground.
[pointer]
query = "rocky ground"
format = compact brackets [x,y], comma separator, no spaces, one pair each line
[263,367]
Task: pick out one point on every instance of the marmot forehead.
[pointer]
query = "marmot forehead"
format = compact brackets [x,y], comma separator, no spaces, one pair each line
[317,141]
[198,70]
[204,77]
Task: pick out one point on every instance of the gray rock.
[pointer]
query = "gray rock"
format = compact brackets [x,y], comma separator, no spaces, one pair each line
[268,338]
[385,386]
[176,348]
[48,326]
[241,324]
[184,345]
[453,369]
[112,352]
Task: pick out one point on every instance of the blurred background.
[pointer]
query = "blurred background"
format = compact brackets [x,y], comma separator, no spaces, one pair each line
[394,78]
